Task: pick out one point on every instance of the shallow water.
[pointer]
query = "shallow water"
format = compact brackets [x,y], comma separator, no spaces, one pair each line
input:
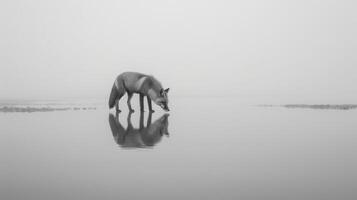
[208,148]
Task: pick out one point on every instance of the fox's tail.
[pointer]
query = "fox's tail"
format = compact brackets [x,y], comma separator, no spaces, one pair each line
[116,93]
[113,96]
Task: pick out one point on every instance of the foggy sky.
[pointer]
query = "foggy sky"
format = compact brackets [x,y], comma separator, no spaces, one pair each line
[303,50]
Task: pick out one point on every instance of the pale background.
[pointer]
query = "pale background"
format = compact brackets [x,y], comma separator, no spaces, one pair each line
[290,51]
[217,57]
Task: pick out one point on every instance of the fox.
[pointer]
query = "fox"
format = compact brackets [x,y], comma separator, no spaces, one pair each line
[142,137]
[142,84]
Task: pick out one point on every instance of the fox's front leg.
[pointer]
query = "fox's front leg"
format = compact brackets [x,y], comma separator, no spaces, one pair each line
[150,105]
[141,121]
[141,102]
[148,123]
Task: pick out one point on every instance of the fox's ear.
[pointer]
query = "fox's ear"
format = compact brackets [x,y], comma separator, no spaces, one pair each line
[167,90]
[161,91]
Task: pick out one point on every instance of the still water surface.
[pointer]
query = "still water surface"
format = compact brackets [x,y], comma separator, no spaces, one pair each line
[214,148]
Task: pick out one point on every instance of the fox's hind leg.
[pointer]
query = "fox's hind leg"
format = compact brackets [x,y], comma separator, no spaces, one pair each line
[130,95]
[130,125]
[121,92]
[117,106]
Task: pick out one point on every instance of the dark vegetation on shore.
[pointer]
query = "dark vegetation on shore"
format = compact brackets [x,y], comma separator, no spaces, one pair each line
[40,109]
[323,106]
[317,106]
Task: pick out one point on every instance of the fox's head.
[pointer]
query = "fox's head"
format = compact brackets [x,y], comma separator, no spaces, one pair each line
[162,100]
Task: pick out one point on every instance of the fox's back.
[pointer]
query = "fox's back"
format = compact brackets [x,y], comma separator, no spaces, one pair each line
[131,79]
[137,82]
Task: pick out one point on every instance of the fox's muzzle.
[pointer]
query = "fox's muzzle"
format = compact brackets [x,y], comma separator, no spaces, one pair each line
[165,107]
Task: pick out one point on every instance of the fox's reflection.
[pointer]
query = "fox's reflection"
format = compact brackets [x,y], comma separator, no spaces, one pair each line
[143,136]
